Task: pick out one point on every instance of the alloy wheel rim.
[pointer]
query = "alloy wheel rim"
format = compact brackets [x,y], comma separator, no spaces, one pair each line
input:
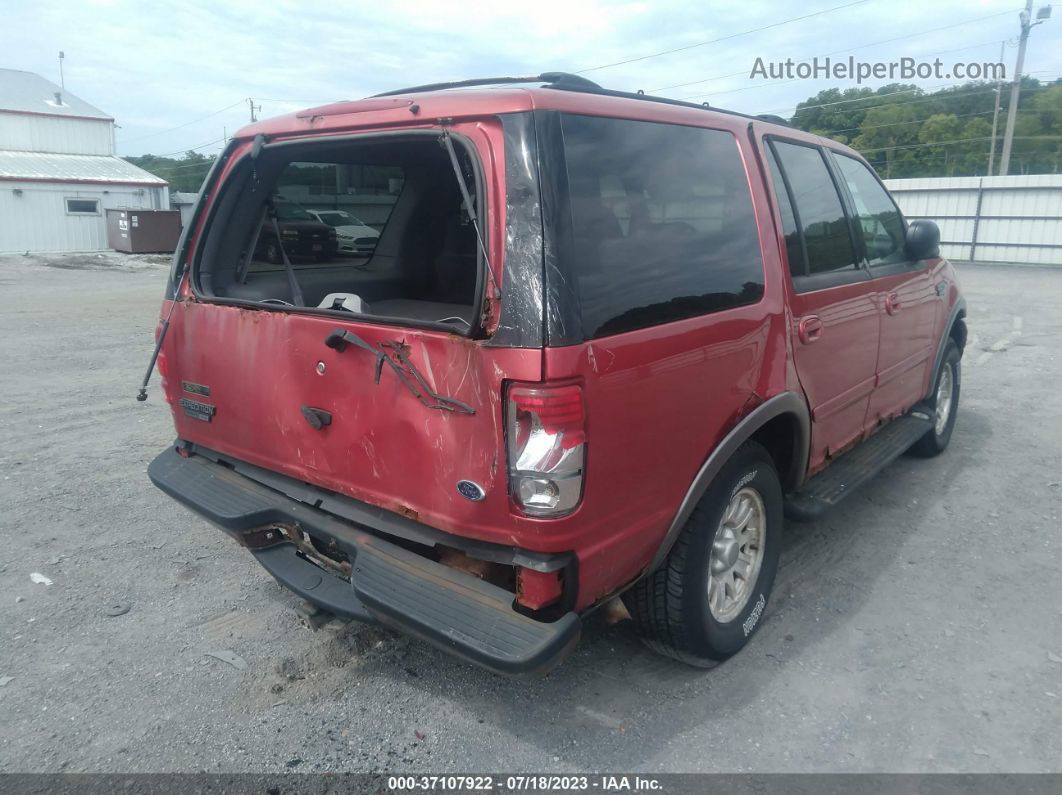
[736,554]
[943,404]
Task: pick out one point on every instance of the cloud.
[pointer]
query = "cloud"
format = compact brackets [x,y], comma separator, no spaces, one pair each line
[155,66]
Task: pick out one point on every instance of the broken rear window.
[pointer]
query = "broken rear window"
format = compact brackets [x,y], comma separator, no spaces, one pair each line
[375,226]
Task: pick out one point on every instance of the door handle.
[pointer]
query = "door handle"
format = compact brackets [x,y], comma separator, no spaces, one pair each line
[809,329]
[892,303]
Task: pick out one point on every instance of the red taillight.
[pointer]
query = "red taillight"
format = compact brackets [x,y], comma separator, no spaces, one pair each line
[546,427]
[559,410]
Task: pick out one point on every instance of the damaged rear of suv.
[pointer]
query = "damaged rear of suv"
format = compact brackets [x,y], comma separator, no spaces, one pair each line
[345,415]
[563,354]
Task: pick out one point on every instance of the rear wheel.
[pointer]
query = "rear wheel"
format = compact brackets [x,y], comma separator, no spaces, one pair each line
[945,405]
[706,600]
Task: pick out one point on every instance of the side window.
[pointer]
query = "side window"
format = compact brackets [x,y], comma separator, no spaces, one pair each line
[82,206]
[790,229]
[826,232]
[662,223]
[879,219]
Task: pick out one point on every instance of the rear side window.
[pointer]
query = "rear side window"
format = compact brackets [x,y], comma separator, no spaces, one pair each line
[662,223]
[827,236]
[878,216]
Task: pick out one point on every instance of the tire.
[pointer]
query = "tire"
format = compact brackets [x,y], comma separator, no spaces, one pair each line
[272,252]
[671,607]
[949,379]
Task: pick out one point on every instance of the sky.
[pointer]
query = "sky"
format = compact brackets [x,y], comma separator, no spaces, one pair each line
[177,75]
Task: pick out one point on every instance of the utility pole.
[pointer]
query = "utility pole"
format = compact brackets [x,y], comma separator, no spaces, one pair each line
[995,113]
[62,82]
[250,101]
[1015,87]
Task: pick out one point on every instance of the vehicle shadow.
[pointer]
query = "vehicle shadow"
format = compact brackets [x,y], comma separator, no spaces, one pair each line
[626,703]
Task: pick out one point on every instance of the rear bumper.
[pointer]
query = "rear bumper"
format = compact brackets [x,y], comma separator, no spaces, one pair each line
[388,583]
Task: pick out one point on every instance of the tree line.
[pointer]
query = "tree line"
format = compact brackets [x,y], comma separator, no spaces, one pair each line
[185,174]
[903,130]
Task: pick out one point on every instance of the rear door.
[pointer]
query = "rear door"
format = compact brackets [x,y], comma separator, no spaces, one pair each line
[834,323]
[260,371]
[907,302]
[262,385]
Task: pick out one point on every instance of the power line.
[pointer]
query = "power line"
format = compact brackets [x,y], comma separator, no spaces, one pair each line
[723,38]
[204,164]
[851,49]
[211,115]
[938,95]
[864,99]
[182,126]
[898,123]
[296,101]
[960,141]
[952,156]
[200,164]
[192,148]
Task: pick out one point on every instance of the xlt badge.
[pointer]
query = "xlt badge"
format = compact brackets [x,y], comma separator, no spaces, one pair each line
[195,389]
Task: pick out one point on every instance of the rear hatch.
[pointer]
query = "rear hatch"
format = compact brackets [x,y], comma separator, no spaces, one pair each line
[397,403]
[244,381]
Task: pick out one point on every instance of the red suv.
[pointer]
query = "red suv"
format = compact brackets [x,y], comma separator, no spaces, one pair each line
[604,343]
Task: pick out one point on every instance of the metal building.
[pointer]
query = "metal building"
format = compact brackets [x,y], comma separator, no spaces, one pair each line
[989,219]
[58,170]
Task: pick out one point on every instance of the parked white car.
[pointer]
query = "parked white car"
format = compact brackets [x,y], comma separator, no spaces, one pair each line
[354,235]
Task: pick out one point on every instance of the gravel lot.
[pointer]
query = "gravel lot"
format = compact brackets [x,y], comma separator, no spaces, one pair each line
[916,628]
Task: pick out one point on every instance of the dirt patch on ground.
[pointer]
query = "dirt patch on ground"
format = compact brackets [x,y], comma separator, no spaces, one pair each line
[327,664]
[93,260]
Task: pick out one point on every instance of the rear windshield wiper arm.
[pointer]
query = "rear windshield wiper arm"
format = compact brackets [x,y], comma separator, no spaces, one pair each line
[406,371]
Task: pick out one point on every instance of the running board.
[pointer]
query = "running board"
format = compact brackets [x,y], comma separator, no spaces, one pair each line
[856,467]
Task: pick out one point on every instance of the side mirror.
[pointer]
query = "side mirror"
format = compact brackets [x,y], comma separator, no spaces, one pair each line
[923,240]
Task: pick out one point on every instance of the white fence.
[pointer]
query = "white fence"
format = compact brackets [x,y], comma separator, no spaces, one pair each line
[989,219]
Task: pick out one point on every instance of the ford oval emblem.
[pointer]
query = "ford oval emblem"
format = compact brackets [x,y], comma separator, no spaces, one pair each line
[470,491]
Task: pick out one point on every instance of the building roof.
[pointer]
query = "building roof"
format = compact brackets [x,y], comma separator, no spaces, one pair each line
[48,167]
[26,92]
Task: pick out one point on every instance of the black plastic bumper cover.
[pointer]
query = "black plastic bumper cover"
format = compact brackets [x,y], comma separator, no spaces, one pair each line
[453,610]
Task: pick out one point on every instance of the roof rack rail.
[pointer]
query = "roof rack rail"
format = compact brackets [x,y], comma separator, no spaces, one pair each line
[641,95]
[593,88]
[554,79]
[566,81]
[773,119]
